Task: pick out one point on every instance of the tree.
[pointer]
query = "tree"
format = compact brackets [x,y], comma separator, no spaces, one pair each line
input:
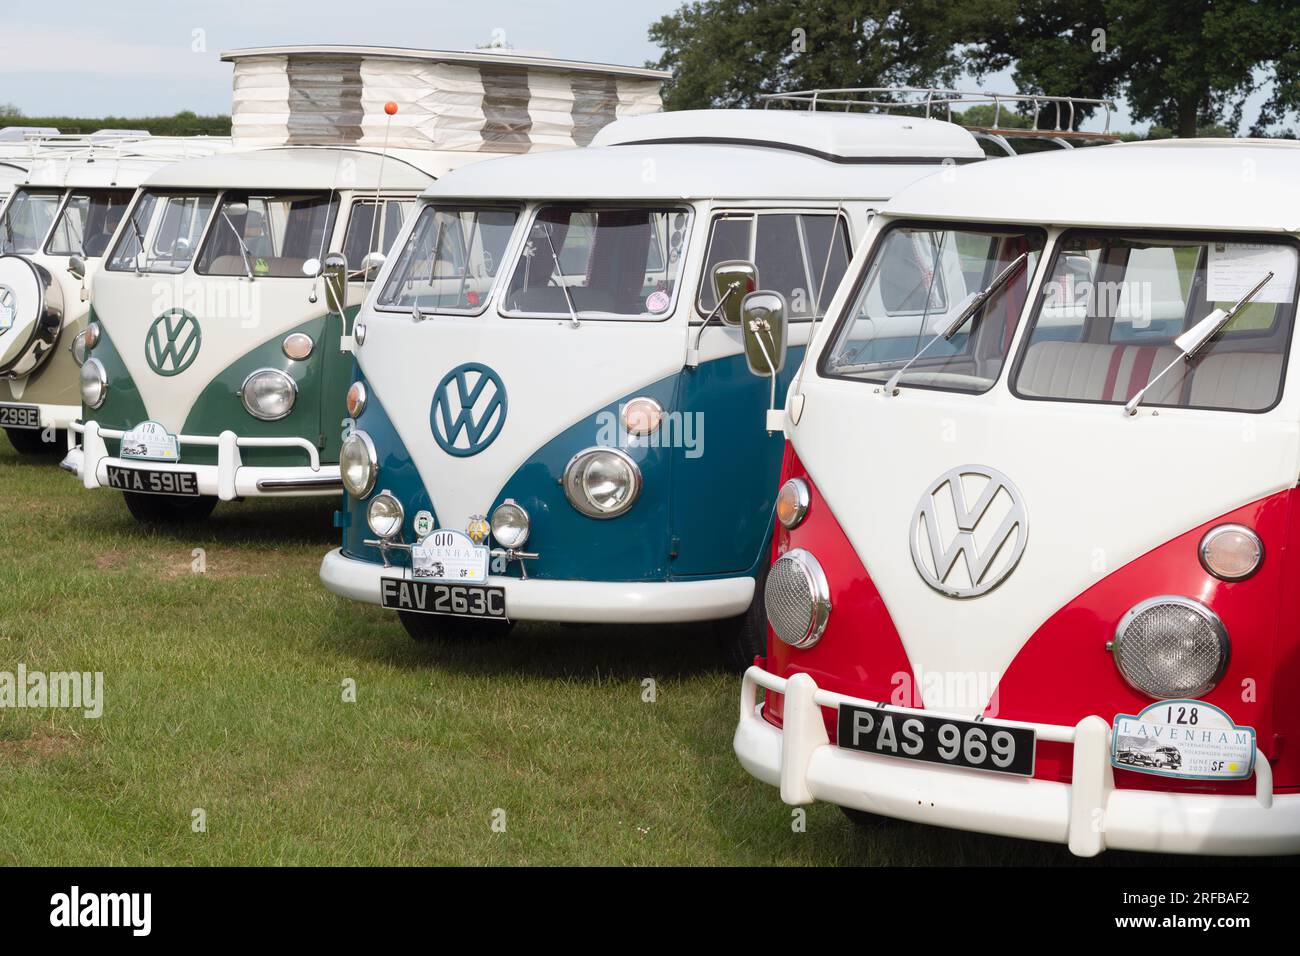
[9,111]
[727,53]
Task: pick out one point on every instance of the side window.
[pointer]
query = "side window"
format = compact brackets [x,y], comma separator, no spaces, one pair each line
[365,235]
[730,238]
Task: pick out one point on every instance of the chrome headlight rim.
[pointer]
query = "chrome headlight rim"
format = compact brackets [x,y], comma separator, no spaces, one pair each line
[524,520]
[386,498]
[273,373]
[575,492]
[819,591]
[802,499]
[372,465]
[94,366]
[1196,607]
[1217,532]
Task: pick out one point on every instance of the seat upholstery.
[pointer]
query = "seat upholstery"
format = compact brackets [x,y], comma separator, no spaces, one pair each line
[1089,372]
[1239,380]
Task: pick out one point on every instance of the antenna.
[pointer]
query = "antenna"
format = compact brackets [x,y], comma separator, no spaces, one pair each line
[376,225]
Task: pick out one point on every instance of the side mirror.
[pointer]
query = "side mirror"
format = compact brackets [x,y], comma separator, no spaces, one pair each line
[763,325]
[236,210]
[732,281]
[311,268]
[77,266]
[335,272]
[371,265]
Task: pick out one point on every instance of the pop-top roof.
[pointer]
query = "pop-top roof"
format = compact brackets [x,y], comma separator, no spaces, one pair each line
[490,101]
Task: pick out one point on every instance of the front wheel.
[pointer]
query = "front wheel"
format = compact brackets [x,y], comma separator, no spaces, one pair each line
[168,509]
[742,638]
[31,441]
[429,628]
[862,819]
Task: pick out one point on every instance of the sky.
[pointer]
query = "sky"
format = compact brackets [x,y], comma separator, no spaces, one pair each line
[149,58]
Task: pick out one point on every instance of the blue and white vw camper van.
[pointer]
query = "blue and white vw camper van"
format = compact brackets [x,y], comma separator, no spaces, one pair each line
[554,416]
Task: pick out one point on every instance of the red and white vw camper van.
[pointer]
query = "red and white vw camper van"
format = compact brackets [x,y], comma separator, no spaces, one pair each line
[1038,540]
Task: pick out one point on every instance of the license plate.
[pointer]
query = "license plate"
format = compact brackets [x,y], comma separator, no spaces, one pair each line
[147,482]
[1183,738]
[972,744]
[433,597]
[20,416]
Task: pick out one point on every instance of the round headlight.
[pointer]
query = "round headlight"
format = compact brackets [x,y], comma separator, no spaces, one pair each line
[510,525]
[269,394]
[1171,647]
[385,515]
[792,503]
[94,383]
[1232,552]
[642,416]
[297,346]
[356,399]
[797,598]
[602,482]
[358,464]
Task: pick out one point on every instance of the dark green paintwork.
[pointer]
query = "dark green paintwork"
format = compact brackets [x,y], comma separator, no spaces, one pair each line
[123,406]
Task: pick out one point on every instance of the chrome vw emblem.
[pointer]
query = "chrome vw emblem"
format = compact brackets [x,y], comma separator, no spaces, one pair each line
[172,343]
[469,408]
[8,308]
[969,531]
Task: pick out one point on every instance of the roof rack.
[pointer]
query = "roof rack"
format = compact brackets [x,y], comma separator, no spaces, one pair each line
[939,103]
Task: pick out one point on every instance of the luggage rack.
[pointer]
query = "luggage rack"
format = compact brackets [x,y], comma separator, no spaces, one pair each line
[37,145]
[939,103]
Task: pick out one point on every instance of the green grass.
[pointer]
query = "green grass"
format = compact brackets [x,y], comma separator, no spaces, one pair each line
[223,691]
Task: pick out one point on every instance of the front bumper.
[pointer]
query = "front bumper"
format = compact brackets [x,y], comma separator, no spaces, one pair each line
[1088,814]
[228,479]
[587,602]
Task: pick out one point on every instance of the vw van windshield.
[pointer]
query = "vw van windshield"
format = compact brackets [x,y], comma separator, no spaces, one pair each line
[87,223]
[919,281]
[1113,303]
[609,262]
[162,233]
[450,259]
[27,220]
[268,234]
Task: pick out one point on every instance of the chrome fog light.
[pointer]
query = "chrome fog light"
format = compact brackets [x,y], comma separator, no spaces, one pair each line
[356,399]
[642,416]
[602,482]
[385,515]
[1231,552]
[792,503]
[269,394]
[358,464]
[510,525]
[297,346]
[94,383]
[1171,647]
[84,341]
[797,598]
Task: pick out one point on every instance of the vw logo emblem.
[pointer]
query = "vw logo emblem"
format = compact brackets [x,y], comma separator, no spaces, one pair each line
[172,343]
[469,408]
[8,308]
[969,531]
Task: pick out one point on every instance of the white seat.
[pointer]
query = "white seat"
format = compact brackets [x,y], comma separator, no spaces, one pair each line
[1089,372]
[1245,381]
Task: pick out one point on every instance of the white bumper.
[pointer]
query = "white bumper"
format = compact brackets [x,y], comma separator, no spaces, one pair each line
[57,416]
[593,602]
[228,479]
[1088,813]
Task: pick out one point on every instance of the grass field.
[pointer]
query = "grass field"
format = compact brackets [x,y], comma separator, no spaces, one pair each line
[223,691]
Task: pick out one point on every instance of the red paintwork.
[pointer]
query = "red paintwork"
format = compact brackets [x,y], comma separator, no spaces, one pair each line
[1063,673]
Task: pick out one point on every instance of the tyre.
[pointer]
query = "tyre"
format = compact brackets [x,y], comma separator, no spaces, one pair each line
[742,638]
[168,509]
[863,819]
[429,628]
[28,441]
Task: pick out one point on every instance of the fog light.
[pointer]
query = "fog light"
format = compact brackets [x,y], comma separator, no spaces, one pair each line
[602,482]
[358,464]
[1232,552]
[94,383]
[356,399]
[642,416]
[792,503]
[1171,647]
[297,346]
[84,341]
[269,394]
[510,525]
[385,515]
[797,599]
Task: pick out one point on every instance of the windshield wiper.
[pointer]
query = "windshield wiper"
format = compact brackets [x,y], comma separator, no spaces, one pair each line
[975,305]
[243,249]
[416,314]
[1194,339]
[573,313]
[139,237]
